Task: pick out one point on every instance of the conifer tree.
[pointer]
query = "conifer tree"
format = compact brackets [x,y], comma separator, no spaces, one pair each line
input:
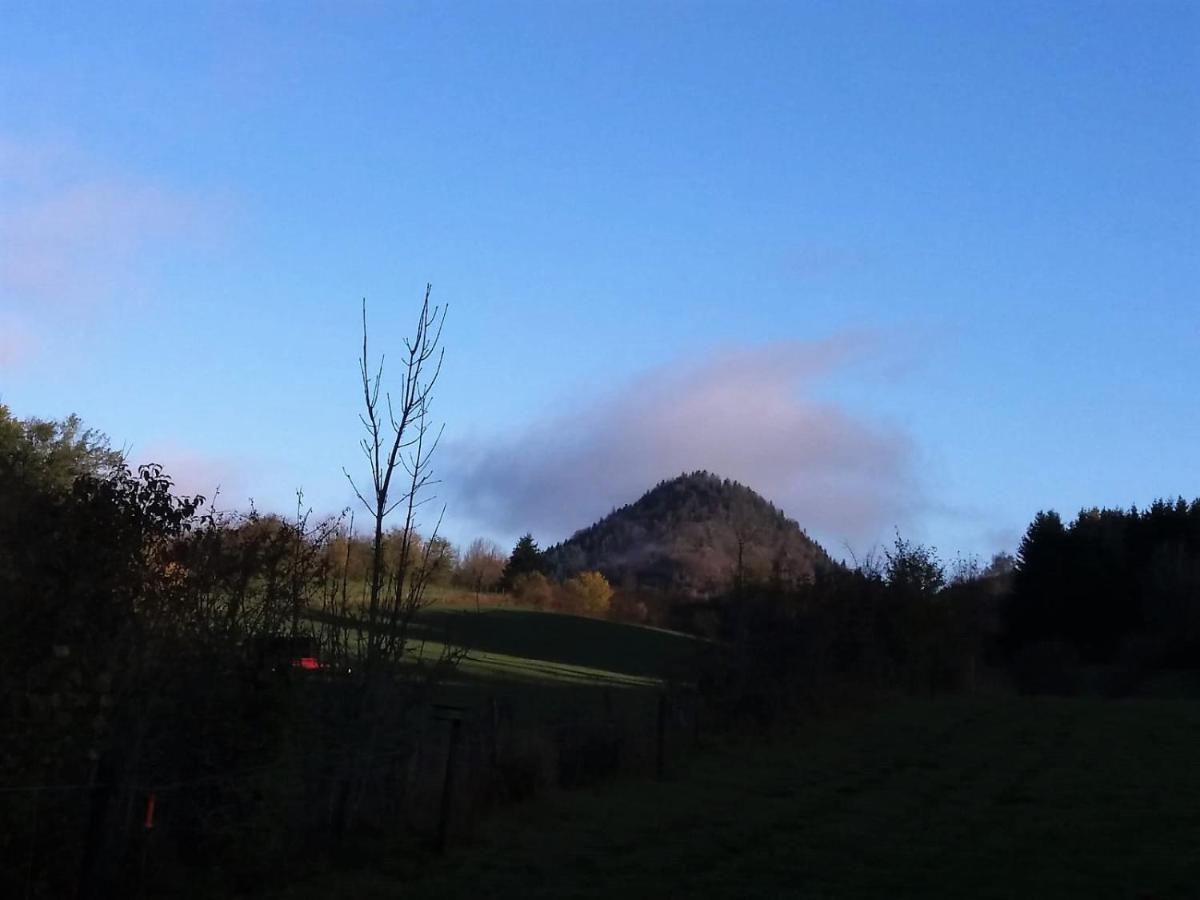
[525,559]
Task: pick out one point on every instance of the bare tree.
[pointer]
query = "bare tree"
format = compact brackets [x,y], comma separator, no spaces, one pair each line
[399,445]
[481,566]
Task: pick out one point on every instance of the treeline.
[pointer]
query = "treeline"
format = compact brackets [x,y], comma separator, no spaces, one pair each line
[529,580]
[899,621]
[1112,587]
[477,567]
[1099,605]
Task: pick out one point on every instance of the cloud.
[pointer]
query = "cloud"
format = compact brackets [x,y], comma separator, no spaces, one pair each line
[74,235]
[747,414]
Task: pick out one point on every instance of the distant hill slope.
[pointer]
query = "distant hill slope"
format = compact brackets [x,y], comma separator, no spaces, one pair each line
[683,537]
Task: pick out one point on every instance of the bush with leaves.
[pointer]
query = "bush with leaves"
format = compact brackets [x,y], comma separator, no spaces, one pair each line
[533,589]
[588,593]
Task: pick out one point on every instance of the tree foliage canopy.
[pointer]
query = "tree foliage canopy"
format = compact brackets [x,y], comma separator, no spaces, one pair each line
[50,452]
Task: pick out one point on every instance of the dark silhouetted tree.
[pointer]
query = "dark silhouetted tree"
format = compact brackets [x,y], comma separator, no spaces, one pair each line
[1112,583]
[525,559]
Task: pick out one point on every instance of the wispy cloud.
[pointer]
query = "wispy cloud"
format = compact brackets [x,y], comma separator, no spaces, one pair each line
[76,234]
[748,414]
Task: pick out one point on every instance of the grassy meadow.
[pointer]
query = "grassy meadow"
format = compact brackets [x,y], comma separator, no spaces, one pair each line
[987,798]
[547,669]
[510,643]
[529,645]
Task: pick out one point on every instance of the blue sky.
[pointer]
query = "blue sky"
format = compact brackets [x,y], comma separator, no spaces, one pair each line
[920,265]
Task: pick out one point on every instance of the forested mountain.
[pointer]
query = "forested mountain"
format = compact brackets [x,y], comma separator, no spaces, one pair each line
[691,536]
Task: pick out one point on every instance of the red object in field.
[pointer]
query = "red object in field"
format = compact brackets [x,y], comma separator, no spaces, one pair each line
[307,662]
[150,811]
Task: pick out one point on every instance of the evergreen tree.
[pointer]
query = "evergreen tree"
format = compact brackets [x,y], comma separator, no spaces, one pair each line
[1111,582]
[525,559]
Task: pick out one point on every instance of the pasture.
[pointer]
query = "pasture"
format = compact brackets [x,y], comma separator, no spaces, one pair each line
[510,644]
[987,797]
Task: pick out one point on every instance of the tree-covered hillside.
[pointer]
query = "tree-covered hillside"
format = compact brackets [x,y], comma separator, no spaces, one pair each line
[692,536]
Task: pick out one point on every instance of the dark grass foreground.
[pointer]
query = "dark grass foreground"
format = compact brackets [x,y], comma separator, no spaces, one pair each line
[981,798]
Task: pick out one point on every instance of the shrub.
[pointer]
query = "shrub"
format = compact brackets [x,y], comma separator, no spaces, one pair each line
[533,589]
[589,593]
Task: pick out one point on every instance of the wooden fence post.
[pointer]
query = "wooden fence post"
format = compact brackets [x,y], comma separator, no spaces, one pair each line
[660,760]
[494,712]
[454,714]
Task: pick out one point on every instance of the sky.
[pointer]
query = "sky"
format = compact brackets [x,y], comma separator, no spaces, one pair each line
[928,267]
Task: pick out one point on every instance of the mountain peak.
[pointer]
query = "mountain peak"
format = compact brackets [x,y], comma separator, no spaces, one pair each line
[685,536]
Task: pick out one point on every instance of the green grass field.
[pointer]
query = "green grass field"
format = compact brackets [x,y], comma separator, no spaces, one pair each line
[546,666]
[531,646]
[990,798]
[507,643]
